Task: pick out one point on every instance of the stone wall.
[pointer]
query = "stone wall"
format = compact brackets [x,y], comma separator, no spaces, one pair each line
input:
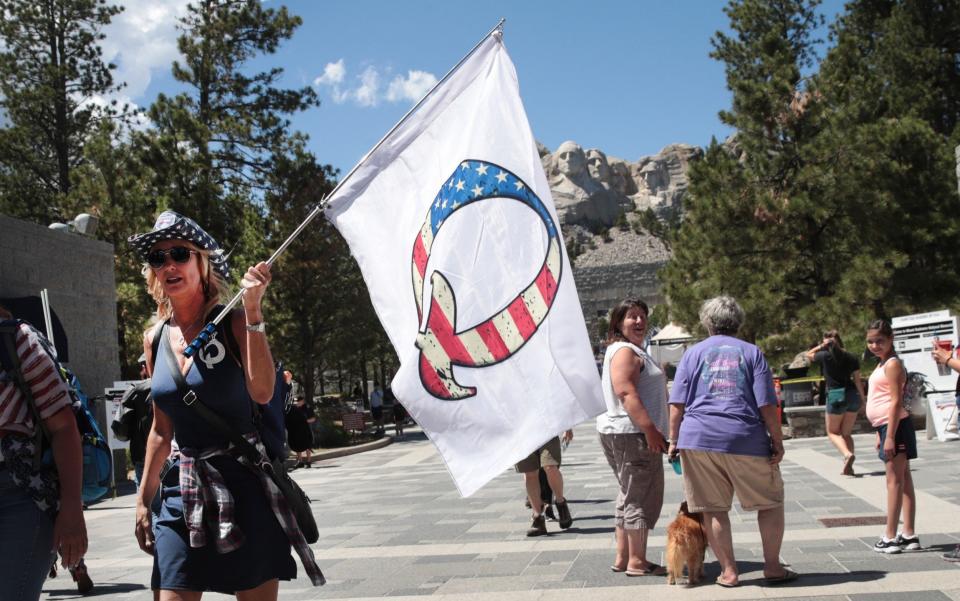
[601,287]
[78,275]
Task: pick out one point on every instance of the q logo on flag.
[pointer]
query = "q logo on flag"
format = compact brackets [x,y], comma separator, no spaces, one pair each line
[500,336]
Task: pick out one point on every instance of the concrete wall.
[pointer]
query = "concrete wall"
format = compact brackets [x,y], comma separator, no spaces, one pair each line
[600,288]
[78,274]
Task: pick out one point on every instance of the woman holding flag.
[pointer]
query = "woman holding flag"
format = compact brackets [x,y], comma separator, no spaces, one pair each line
[222,524]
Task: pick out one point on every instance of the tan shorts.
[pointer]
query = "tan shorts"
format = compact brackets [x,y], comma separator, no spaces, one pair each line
[639,473]
[548,454]
[710,479]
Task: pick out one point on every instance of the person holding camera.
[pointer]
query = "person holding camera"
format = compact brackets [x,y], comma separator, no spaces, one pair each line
[841,371]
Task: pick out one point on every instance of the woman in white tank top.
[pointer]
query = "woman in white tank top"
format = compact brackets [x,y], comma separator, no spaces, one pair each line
[631,433]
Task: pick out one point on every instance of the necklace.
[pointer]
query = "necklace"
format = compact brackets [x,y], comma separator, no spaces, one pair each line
[184,330]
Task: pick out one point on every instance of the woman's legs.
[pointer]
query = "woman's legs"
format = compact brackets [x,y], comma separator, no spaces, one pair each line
[846,429]
[622,559]
[909,509]
[771,523]
[835,422]
[170,595]
[637,549]
[267,591]
[895,469]
[717,525]
[28,530]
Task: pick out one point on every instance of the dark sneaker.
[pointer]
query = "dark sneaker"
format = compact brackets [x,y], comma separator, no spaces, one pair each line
[909,544]
[564,510]
[538,527]
[526,503]
[80,576]
[549,513]
[952,556]
[888,547]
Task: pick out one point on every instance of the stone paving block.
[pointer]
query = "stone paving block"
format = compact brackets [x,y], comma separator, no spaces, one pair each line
[426,559]
[548,557]
[910,596]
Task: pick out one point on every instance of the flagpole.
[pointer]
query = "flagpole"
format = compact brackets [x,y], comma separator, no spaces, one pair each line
[208,331]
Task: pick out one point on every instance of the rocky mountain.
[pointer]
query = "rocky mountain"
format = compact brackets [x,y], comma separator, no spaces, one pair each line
[597,199]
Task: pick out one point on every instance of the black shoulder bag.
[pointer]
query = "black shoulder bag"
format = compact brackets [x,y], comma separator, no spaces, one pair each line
[297,500]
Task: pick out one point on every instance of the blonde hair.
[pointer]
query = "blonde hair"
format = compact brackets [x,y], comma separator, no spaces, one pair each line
[214,285]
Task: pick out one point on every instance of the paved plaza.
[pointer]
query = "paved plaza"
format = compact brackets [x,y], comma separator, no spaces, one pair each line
[393,525]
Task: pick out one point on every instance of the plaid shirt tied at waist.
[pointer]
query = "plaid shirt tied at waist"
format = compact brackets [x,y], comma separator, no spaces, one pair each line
[208,505]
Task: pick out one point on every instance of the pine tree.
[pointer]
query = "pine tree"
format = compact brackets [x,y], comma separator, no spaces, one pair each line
[215,145]
[751,221]
[114,185]
[52,79]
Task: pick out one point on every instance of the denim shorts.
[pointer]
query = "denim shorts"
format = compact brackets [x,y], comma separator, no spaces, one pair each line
[842,400]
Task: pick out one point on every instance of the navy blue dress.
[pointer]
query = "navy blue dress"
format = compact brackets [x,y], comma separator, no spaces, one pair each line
[219,382]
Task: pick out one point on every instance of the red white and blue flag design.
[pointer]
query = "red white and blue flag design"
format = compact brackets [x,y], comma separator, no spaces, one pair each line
[453,226]
[502,335]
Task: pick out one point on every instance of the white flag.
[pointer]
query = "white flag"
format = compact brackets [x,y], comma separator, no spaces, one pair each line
[454,229]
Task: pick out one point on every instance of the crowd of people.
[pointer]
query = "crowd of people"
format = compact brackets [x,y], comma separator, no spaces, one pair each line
[201,500]
[724,433]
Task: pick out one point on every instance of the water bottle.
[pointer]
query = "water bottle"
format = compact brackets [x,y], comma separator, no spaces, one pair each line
[675,464]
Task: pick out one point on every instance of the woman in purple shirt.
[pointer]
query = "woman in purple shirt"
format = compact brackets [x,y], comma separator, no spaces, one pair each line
[723,424]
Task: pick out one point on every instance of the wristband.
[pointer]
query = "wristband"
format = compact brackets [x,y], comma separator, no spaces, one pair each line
[260,326]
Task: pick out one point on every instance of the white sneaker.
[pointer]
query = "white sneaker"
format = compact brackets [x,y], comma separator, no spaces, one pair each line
[887,546]
[908,544]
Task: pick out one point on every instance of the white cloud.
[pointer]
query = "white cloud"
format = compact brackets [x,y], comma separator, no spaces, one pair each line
[365,89]
[413,88]
[333,74]
[369,91]
[141,41]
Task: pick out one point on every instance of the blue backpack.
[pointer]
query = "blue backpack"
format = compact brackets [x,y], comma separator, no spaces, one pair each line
[97,459]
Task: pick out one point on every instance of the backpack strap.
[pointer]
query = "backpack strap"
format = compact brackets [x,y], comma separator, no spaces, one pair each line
[190,399]
[8,333]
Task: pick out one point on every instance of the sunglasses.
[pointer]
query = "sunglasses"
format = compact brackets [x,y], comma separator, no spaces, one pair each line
[179,254]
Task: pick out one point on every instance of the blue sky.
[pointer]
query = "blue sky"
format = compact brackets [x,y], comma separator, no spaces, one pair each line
[626,77]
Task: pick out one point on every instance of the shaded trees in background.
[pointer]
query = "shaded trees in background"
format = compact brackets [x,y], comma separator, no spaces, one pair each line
[752,222]
[52,87]
[835,203]
[114,184]
[213,147]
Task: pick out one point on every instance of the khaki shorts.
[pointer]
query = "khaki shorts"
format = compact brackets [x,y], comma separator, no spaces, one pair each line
[711,478]
[548,454]
[639,473]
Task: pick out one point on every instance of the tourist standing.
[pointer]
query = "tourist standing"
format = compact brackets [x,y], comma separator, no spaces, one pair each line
[725,427]
[631,434]
[896,439]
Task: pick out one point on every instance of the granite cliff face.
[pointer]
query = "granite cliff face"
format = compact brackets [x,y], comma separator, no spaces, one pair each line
[598,199]
[593,190]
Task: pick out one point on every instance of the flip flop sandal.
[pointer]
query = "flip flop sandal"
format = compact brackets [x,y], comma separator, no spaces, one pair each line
[616,569]
[788,576]
[653,570]
[727,584]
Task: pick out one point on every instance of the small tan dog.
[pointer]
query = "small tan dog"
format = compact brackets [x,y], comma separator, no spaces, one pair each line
[686,545]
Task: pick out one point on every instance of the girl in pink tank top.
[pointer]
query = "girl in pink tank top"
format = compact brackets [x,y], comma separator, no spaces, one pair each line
[896,439]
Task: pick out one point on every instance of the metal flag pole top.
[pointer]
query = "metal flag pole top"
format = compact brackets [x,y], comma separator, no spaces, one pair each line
[209,330]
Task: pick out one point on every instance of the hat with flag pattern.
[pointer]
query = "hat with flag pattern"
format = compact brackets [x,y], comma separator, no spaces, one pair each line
[171,225]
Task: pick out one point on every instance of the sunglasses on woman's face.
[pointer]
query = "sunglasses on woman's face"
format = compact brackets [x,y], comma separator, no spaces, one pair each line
[179,254]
